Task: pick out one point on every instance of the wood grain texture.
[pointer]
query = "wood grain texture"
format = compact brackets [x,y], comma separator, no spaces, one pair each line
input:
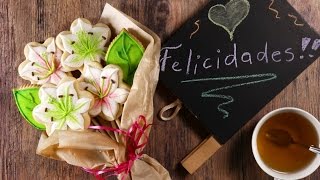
[35,20]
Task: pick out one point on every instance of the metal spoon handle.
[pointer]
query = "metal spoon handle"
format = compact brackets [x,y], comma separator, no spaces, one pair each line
[314,149]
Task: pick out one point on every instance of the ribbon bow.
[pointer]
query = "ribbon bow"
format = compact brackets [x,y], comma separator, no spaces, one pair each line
[133,148]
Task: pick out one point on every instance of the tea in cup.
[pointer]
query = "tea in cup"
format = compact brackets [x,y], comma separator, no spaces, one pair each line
[280,143]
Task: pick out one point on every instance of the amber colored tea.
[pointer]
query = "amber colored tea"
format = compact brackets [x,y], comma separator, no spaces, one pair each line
[287,158]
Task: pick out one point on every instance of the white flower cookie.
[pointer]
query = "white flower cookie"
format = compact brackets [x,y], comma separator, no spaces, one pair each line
[83,44]
[42,64]
[63,107]
[108,89]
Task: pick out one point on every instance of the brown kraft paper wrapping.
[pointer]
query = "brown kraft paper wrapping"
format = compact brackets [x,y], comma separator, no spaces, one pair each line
[94,150]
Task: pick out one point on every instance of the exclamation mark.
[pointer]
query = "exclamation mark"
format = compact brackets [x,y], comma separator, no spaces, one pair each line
[315,46]
[305,42]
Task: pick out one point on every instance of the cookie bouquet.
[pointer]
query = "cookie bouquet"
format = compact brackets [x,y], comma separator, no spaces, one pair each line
[91,93]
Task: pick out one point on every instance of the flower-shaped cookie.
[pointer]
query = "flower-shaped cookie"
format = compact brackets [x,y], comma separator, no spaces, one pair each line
[63,106]
[84,44]
[42,64]
[107,87]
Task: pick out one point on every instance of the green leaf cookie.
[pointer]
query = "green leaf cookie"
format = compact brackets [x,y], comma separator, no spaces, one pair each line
[26,99]
[126,52]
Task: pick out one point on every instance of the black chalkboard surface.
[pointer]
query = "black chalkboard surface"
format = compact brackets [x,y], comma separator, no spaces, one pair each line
[233,57]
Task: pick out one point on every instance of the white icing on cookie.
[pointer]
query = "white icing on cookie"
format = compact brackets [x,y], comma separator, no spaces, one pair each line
[83,44]
[61,108]
[42,64]
[104,84]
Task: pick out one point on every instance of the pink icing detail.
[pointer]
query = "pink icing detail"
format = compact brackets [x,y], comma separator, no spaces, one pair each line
[41,61]
[106,100]
[111,95]
[98,103]
[55,77]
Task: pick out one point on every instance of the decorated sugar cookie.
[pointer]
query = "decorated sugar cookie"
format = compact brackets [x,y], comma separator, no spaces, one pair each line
[109,90]
[26,99]
[42,64]
[125,51]
[83,44]
[63,107]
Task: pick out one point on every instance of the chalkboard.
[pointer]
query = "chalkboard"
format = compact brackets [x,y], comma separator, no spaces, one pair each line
[233,57]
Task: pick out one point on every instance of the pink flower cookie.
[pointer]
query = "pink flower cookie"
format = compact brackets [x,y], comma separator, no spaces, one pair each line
[108,89]
[42,64]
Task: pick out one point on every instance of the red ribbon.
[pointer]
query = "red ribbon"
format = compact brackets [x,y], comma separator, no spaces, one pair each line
[134,148]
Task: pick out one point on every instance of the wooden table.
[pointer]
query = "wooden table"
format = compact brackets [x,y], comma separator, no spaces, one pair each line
[34,20]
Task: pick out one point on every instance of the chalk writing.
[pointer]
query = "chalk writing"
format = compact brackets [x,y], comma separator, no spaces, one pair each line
[316,44]
[295,20]
[198,27]
[305,43]
[198,63]
[212,93]
[165,56]
[274,10]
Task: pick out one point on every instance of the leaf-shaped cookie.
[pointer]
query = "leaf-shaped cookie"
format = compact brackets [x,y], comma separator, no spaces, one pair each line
[26,99]
[125,51]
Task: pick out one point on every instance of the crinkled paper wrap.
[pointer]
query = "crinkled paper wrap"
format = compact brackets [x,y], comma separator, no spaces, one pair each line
[91,149]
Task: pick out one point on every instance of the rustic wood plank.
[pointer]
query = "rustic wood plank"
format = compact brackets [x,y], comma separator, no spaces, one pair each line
[35,20]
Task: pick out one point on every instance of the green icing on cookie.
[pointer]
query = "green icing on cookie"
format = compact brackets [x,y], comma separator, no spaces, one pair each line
[126,52]
[26,99]
[87,46]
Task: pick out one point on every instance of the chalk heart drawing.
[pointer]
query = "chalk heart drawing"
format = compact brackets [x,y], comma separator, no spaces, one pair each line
[229,16]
